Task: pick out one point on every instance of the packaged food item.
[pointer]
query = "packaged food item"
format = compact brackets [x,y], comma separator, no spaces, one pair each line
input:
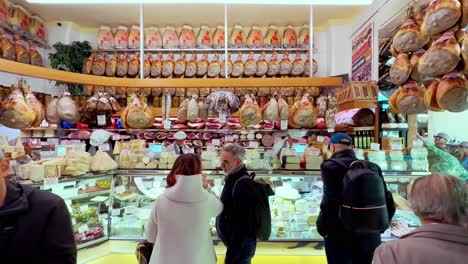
[105,38]
[19,17]
[3,11]
[153,39]
[121,37]
[134,38]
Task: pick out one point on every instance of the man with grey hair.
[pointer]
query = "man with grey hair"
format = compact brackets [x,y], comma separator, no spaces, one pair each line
[236,224]
[439,200]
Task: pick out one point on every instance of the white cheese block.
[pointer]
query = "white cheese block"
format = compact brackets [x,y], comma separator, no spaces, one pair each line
[50,171]
[396,155]
[26,171]
[37,173]
[8,149]
[313,163]
[293,160]
[16,155]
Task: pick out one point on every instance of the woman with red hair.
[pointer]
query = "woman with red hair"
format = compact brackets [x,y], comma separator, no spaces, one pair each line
[179,223]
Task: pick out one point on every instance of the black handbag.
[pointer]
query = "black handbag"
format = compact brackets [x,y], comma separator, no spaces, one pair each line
[143,252]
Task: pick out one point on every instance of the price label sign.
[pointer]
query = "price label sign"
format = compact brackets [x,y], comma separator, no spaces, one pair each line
[331,130]
[73,221]
[115,212]
[375,146]
[216,142]
[229,138]
[321,139]
[222,118]
[101,120]
[83,228]
[253,144]
[84,207]
[48,181]
[396,145]
[116,137]
[119,189]
[129,210]
[284,124]
[104,147]
[210,147]
[167,124]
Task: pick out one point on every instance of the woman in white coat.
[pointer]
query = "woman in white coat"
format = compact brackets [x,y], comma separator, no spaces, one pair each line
[179,223]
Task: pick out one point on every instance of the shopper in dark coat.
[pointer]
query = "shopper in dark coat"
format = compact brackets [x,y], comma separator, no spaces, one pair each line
[236,224]
[35,226]
[342,246]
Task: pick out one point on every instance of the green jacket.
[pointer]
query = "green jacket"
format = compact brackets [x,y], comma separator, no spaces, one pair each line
[444,162]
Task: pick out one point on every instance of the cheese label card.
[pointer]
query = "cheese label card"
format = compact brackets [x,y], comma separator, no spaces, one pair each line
[229,138]
[222,118]
[50,181]
[284,124]
[104,147]
[216,142]
[119,189]
[321,139]
[375,146]
[396,145]
[101,120]
[167,124]
[253,144]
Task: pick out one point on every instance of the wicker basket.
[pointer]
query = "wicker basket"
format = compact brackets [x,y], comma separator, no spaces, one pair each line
[365,90]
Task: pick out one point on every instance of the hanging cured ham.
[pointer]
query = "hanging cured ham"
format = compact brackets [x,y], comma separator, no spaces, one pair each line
[51,114]
[442,56]
[105,38]
[289,37]
[440,16]
[464,19]
[409,37]
[304,38]
[183,110]
[250,66]
[273,65]
[122,65]
[238,66]
[34,104]
[180,65]
[430,97]
[255,38]
[15,112]
[8,49]
[67,109]
[191,69]
[134,38]
[22,50]
[168,66]
[218,39]
[121,37]
[298,66]
[262,66]
[222,103]
[170,38]
[414,63]
[3,11]
[134,65]
[301,114]
[283,109]
[202,66]
[187,39]
[204,37]
[452,92]
[34,56]
[400,70]
[307,66]
[250,113]
[271,110]
[237,39]
[156,66]
[146,66]
[214,67]
[285,65]
[202,110]
[272,38]
[408,99]
[153,39]
[193,110]
[111,66]
[222,73]
[99,65]
[87,65]
[137,114]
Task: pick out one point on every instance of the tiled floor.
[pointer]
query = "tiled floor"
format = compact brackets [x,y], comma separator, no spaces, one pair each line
[123,252]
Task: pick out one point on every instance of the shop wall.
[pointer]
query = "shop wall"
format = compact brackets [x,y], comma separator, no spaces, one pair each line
[455,124]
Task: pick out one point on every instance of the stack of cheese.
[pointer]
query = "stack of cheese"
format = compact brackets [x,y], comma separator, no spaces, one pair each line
[103,162]
[131,155]
[77,163]
[209,160]
[167,160]
[12,152]
[313,159]
[253,161]
[291,161]
[37,170]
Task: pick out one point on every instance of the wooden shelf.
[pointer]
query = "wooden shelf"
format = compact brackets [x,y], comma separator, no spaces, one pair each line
[211,50]
[69,77]
[358,104]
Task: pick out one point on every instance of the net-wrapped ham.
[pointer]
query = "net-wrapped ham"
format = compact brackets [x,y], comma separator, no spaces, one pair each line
[409,37]
[273,65]
[202,66]
[237,39]
[204,37]
[250,113]
[250,66]
[15,112]
[191,68]
[134,38]
[304,39]
[283,109]
[222,102]
[272,38]
[400,70]
[156,66]
[271,110]
[121,37]
[170,38]
[193,110]
[67,109]
[440,16]
[301,114]
[255,38]
[34,104]
[238,66]
[289,37]
[442,57]
[105,38]
[153,39]
[187,39]
[262,66]
[218,39]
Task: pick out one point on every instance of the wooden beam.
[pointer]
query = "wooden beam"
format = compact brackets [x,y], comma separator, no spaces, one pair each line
[69,77]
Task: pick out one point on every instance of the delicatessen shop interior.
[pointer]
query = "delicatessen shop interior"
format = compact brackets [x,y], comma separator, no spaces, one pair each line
[98,100]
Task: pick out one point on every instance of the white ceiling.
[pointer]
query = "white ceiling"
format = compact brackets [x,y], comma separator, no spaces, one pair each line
[211,15]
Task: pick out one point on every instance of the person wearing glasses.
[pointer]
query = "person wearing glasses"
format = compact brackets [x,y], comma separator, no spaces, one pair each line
[440,141]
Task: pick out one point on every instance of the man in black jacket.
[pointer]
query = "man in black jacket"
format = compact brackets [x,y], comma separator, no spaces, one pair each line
[341,246]
[35,226]
[236,224]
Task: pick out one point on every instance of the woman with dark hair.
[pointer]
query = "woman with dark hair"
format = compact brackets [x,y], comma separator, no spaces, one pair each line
[179,223]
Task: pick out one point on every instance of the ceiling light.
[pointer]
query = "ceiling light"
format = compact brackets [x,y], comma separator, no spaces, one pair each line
[260,2]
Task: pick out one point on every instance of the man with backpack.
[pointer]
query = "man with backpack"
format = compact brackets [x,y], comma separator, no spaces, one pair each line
[356,205]
[246,215]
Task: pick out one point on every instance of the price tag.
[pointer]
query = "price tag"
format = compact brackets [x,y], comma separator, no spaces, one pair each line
[102,217]
[253,144]
[48,181]
[190,151]
[76,142]
[222,118]
[216,142]
[53,141]
[119,189]
[104,147]
[99,199]
[84,207]
[321,139]
[116,137]
[73,221]
[284,124]
[167,124]
[229,138]
[396,145]
[375,146]
[83,228]
[115,212]
[210,147]
[331,130]
[101,120]
[129,210]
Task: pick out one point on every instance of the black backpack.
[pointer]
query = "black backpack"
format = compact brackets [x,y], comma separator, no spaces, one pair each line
[363,206]
[262,210]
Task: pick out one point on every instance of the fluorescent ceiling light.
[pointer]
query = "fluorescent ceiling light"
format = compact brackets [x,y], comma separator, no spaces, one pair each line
[256,2]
